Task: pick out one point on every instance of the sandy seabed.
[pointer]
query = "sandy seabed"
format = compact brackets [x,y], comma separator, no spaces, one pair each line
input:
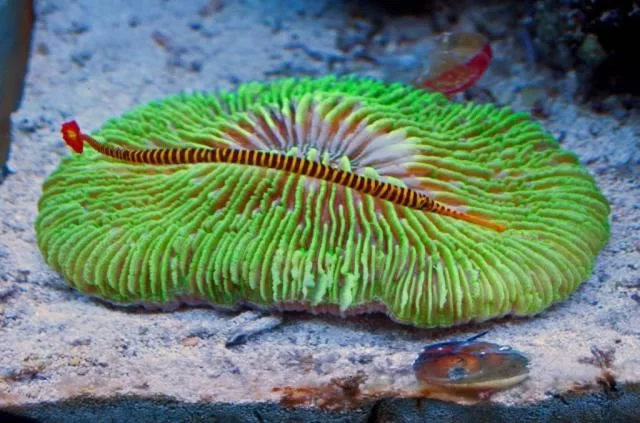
[94,60]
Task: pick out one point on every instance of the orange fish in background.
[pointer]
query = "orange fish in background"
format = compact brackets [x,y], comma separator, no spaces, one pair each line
[459,60]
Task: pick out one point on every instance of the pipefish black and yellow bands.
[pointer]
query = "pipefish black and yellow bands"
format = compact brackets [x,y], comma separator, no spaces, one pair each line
[401,196]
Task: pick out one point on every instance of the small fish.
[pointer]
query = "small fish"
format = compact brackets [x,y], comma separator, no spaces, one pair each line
[459,60]
[471,366]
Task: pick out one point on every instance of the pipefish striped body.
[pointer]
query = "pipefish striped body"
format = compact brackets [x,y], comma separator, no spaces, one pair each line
[401,196]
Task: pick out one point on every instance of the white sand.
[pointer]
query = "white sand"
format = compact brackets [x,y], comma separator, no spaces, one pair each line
[65,344]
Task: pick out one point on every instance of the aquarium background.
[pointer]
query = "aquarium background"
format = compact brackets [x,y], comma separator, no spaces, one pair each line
[65,357]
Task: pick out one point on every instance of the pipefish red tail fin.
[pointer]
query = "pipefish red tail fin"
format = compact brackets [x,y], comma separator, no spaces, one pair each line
[402,196]
[72,136]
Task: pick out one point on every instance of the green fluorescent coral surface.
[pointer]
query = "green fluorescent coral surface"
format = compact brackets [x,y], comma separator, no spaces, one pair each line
[227,234]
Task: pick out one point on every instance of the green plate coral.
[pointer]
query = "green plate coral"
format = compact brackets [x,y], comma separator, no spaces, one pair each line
[228,233]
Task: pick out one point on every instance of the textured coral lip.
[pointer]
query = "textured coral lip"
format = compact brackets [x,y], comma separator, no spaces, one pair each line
[299,306]
[72,135]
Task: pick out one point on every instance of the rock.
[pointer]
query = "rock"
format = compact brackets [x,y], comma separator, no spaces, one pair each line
[16,20]
[591,37]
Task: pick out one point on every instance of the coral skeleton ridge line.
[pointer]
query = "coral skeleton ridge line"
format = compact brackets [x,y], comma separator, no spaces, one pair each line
[340,194]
